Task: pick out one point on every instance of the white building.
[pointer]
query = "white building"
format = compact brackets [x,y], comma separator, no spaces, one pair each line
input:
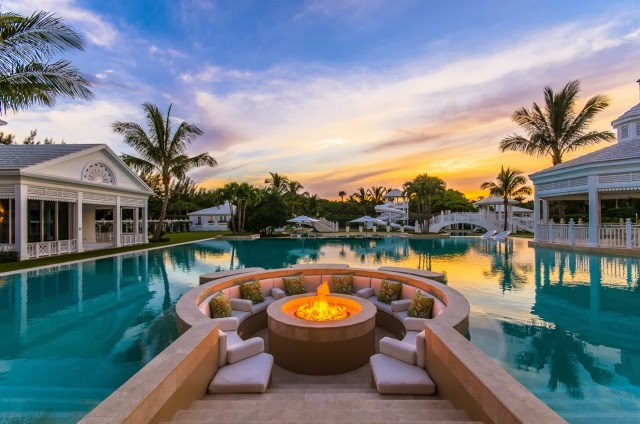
[609,173]
[49,195]
[211,219]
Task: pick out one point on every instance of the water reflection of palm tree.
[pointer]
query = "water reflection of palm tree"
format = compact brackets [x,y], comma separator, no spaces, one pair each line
[563,352]
[512,276]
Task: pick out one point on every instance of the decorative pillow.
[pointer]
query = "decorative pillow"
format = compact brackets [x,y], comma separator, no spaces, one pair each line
[252,291]
[220,306]
[389,291]
[342,284]
[421,306]
[294,285]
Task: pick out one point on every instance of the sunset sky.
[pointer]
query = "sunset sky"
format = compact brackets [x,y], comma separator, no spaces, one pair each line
[339,94]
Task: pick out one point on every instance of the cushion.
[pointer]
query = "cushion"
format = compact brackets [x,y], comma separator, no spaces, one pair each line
[414,324]
[222,348]
[421,349]
[220,306]
[407,291]
[240,305]
[365,293]
[389,291]
[294,285]
[246,349]
[380,305]
[233,292]
[252,291]
[277,293]
[248,376]
[400,316]
[241,315]
[375,284]
[400,305]
[311,282]
[421,306]
[396,377]
[360,282]
[227,323]
[233,338]
[342,284]
[262,306]
[396,349]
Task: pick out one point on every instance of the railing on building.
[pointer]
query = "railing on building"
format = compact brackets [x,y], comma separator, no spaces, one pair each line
[482,219]
[49,248]
[625,235]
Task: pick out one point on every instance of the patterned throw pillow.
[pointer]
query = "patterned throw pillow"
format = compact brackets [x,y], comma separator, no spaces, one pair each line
[220,306]
[252,291]
[421,306]
[342,284]
[389,291]
[294,285]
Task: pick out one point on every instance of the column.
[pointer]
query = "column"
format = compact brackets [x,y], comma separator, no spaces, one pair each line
[77,228]
[117,223]
[145,222]
[594,211]
[135,225]
[545,211]
[536,215]
[21,223]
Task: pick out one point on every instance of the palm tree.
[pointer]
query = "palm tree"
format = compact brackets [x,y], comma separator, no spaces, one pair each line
[376,194]
[26,75]
[556,129]
[277,183]
[510,183]
[161,152]
[342,193]
[424,189]
[361,197]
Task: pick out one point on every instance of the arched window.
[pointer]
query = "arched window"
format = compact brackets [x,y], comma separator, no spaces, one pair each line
[98,173]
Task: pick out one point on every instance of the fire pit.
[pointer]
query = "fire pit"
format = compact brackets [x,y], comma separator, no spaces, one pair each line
[321,335]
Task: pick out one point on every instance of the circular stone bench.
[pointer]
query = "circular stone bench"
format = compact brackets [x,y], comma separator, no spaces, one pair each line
[450,307]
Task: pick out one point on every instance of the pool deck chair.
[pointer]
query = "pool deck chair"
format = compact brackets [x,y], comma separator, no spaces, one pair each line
[502,235]
[488,234]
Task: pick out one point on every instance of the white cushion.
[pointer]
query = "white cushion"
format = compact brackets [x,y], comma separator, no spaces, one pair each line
[360,283]
[241,304]
[246,349]
[259,307]
[233,338]
[375,285]
[414,324]
[407,292]
[396,377]
[410,337]
[365,293]
[227,323]
[205,307]
[265,286]
[401,316]
[380,305]
[233,292]
[438,308]
[400,305]
[248,376]
[396,349]
[277,293]
[421,350]
[240,315]
[222,348]
[278,283]
[312,282]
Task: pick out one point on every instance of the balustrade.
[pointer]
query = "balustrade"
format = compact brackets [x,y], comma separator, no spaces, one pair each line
[49,248]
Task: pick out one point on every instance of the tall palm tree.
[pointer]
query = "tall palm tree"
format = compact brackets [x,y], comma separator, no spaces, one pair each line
[424,188]
[160,151]
[509,184]
[376,194]
[361,197]
[342,193]
[277,183]
[556,128]
[27,77]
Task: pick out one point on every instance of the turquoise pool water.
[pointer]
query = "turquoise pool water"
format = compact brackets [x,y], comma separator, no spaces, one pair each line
[565,325]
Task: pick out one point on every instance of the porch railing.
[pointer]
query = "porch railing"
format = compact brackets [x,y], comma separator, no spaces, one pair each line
[49,248]
[623,236]
[6,247]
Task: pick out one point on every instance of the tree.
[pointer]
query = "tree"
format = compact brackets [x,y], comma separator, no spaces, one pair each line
[277,183]
[453,200]
[342,193]
[423,189]
[269,213]
[361,197]
[160,151]
[7,138]
[376,195]
[26,76]
[510,183]
[557,129]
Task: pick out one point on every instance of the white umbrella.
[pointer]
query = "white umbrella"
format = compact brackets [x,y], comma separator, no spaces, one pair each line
[368,219]
[303,220]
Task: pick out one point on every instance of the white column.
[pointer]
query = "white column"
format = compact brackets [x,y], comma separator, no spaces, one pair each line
[545,211]
[135,221]
[594,210]
[77,230]
[21,222]
[117,223]
[145,222]
[536,215]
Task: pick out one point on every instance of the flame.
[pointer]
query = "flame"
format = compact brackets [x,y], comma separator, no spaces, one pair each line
[319,309]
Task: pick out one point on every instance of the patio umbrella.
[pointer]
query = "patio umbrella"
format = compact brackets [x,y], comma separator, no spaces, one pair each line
[303,220]
[367,219]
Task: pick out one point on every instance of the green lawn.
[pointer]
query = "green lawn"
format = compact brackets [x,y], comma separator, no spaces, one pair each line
[52,260]
[522,234]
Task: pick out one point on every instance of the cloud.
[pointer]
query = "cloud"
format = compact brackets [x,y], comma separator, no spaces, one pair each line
[344,9]
[96,29]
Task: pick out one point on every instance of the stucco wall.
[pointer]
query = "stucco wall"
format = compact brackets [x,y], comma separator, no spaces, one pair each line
[88,223]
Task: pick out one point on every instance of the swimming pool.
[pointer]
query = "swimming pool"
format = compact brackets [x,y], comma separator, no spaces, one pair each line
[566,325]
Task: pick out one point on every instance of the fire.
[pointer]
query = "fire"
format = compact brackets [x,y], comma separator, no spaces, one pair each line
[319,309]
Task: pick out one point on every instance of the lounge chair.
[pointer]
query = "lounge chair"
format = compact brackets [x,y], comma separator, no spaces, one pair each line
[502,235]
[488,234]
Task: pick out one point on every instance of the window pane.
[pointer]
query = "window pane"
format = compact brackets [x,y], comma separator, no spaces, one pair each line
[33,213]
[4,220]
[127,220]
[49,221]
[63,221]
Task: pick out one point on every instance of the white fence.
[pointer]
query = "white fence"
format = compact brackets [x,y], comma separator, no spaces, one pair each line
[49,248]
[624,236]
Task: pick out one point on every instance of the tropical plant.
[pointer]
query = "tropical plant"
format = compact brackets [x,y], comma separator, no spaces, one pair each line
[277,183]
[341,193]
[26,75]
[362,198]
[556,128]
[423,189]
[160,151]
[509,184]
[270,212]
[376,194]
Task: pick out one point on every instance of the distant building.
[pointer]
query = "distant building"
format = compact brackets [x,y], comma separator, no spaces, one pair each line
[211,219]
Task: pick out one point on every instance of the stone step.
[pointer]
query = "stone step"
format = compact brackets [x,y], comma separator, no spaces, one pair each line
[320,415]
[188,421]
[322,403]
[313,396]
[322,390]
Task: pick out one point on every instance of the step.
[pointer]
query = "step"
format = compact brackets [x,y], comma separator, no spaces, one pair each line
[189,421]
[321,414]
[322,403]
[313,396]
[322,390]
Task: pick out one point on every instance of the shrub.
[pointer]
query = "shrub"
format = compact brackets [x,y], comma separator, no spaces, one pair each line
[9,256]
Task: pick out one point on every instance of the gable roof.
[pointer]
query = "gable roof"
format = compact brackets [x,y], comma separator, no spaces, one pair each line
[20,156]
[616,152]
[223,209]
[634,111]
